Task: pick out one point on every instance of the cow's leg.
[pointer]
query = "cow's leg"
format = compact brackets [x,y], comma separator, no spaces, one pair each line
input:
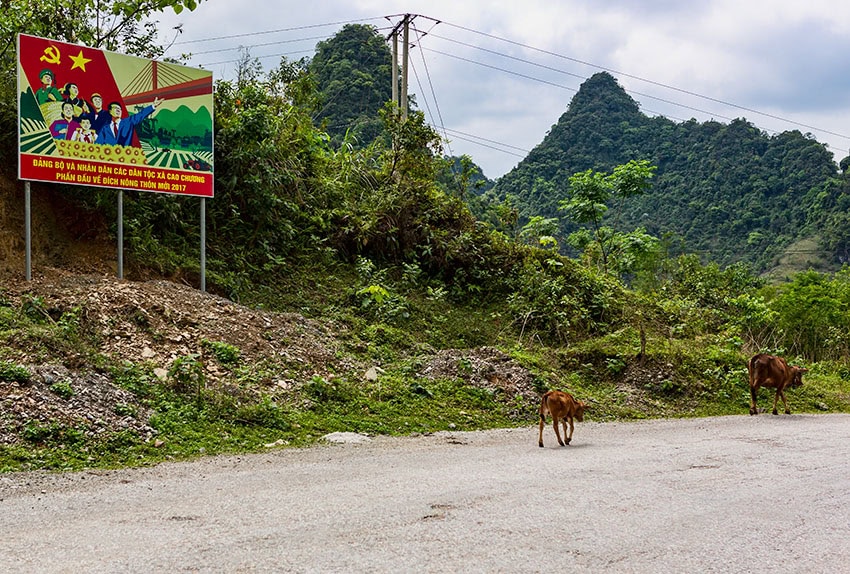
[785,402]
[570,436]
[542,422]
[557,431]
[775,399]
[753,396]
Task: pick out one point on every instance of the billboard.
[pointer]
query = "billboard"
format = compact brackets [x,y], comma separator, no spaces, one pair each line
[91,117]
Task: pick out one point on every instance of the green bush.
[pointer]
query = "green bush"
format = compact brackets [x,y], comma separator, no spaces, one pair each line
[224,353]
[265,414]
[813,315]
[12,373]
[63,389]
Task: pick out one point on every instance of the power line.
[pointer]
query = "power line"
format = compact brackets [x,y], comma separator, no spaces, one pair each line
[552,69]
[248,34]
[477,140]
[653,82]
[518,74]
[292,41]
[209,65]
[433,93]
[548,82]
[460,133]
[710,114]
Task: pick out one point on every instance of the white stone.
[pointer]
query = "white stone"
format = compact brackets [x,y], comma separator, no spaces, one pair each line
[346,438]
[372,373]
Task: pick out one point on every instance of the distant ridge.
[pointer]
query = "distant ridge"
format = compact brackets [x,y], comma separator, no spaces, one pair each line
[728,192]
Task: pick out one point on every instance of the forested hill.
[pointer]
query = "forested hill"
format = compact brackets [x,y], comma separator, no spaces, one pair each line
[729,192]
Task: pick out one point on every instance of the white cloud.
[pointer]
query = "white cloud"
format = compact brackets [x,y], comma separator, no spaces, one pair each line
[785,58]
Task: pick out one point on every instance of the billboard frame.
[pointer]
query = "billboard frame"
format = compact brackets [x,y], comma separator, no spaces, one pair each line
[58,141]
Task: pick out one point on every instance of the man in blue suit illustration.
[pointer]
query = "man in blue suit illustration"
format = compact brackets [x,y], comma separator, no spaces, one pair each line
[118,130]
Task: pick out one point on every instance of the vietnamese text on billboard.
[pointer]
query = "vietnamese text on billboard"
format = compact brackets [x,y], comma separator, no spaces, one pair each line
[90,117]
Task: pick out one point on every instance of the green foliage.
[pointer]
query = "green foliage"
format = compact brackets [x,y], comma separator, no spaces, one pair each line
[729,192]
[540,231]
[322,390]
[12,373]
[33,309]
[560,302]
[698,298]
[373,295]
[62,389]
[107,24]
[265,414]
[813,313]
[225,353]
[587,204]
[53,433]
[352,71]
[187,374]
[462,178]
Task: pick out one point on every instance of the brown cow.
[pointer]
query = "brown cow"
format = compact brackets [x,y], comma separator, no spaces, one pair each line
[772,372]
[563,407]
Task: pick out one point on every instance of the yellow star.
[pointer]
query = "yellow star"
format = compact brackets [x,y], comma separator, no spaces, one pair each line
[80,61]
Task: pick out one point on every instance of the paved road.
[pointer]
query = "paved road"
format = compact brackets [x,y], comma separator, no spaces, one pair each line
[730,494]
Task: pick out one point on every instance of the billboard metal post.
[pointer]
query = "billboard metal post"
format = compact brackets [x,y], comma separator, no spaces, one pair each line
[121,234]
[203,245]
[131,124]
[28,230]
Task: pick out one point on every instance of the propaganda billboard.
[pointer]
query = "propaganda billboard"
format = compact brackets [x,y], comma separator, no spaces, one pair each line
[91,117]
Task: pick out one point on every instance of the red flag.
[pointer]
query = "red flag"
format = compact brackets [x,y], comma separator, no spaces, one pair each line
[68,63]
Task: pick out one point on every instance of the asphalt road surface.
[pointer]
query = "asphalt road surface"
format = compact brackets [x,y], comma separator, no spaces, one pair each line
[730,494]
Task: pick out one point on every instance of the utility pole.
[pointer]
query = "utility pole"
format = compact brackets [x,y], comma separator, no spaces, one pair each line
[395,68]
[400,99]
[404,50]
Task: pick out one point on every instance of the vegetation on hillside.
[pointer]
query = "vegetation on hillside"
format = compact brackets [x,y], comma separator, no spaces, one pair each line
[727,192]
[375,240]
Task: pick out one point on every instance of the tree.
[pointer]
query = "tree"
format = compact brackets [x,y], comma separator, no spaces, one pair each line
[814,313]
[540,231]
[352,72]
[106,24]
[590,193]
[716,183]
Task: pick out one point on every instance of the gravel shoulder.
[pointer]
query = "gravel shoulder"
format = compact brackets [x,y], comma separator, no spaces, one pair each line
[727,494]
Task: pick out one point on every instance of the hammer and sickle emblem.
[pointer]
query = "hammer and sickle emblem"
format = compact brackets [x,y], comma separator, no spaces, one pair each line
[51,55]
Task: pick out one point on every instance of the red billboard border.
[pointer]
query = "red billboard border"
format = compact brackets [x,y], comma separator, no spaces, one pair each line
[115,175]
[112,175]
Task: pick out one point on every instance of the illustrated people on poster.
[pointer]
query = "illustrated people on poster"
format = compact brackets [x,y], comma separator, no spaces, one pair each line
[84,132]
[99,116]
[63,127]
[47,92]
[120,131]
[72,94]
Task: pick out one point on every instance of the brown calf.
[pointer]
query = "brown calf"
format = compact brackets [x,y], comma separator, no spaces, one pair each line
[772,372]
[563,407]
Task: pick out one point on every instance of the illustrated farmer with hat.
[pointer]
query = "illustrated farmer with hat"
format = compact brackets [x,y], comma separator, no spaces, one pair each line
[47,92]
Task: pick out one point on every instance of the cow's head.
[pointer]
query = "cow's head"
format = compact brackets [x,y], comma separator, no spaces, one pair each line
[797,378]
[580,406]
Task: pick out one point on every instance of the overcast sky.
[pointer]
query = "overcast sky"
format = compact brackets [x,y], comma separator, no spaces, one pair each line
[495,76]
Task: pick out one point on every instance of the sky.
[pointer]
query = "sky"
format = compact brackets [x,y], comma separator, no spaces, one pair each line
[493,77]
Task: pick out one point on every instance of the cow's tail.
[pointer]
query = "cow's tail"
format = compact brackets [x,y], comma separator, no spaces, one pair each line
[544,407]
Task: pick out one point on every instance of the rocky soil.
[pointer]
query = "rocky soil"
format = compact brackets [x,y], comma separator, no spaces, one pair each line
[152,323]
[155,323]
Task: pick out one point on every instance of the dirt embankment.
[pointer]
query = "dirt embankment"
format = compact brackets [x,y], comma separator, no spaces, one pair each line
[153,323]
[61,236]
